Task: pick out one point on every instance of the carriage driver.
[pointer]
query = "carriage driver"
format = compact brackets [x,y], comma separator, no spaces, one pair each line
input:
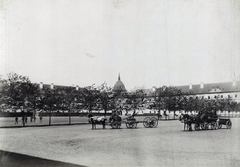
[90,114]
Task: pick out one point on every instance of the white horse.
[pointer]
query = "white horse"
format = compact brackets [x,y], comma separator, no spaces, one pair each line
[97,120]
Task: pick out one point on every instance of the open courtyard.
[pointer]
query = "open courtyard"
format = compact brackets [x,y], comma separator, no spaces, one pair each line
[166,145]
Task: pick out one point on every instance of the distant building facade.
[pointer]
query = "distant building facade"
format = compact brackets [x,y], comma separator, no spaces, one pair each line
[219,90]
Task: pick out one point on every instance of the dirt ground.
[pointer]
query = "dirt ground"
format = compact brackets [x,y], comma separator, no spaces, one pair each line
[166,145]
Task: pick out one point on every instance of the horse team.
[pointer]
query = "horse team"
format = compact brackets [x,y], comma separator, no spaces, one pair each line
[200,121]
[204,121]
[94,120]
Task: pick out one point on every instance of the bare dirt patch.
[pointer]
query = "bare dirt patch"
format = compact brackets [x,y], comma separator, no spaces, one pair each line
[166,145]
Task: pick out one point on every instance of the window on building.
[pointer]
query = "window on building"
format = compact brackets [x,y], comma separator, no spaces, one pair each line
[221,96]
[229,96]
[208,97]
[236,95]
[215,97]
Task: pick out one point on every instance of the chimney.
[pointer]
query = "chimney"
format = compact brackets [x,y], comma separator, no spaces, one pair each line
[41,85]
[190,86]
[52,86]
[234,82]
[202,85]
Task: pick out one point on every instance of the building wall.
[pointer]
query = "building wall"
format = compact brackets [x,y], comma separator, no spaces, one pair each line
[233,95]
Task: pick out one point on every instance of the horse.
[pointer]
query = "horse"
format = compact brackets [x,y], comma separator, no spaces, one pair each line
[94,120]
[187,120]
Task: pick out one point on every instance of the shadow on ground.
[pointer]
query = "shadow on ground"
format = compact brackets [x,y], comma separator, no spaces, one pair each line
[10,159]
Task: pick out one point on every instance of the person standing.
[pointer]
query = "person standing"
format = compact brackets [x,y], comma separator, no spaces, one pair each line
[158,115]
[26,119]
[40,119]
[16,120]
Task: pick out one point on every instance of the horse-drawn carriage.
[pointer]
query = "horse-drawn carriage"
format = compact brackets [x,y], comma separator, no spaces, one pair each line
[226,122]
[204,121]
[131,122]
[115,121]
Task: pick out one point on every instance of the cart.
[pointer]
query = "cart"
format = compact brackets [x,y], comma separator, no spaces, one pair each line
[226,122]
[130,122]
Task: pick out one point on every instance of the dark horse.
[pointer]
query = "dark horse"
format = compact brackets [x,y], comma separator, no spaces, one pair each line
[94,120]
[199,120]
[187,120]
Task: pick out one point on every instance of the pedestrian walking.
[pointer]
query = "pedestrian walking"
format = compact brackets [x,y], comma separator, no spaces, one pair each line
[158,115]
[34,118]
[26,119]
[16,120]
[40,119]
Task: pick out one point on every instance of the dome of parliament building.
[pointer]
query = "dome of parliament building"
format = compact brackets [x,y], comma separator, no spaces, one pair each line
[119,86]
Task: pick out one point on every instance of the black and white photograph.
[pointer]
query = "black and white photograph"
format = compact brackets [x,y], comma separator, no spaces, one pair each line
[119,83]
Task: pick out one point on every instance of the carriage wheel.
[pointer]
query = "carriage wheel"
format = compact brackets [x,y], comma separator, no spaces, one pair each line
[228,124]
[219,126]
[154,122]
[128,125]
[131,124]
[214,125]
[146,122]
[116,125]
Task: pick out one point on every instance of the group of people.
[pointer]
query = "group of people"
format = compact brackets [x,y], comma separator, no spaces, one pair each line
[25,119]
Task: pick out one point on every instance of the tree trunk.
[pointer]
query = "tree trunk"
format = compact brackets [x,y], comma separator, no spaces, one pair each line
[69,114]
[105,113]
[50,114]
[23,118]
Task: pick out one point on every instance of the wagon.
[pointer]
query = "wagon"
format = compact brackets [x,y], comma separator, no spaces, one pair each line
[212,122]
[205,121]
[130,122]
[226,122]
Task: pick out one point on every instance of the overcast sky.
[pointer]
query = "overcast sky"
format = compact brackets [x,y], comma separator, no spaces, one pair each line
[150,43]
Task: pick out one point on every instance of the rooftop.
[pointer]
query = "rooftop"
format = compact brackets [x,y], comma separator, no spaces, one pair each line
[211,87]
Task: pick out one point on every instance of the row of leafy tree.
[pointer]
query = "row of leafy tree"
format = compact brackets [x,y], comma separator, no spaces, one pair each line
[18,92]
[172,99]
